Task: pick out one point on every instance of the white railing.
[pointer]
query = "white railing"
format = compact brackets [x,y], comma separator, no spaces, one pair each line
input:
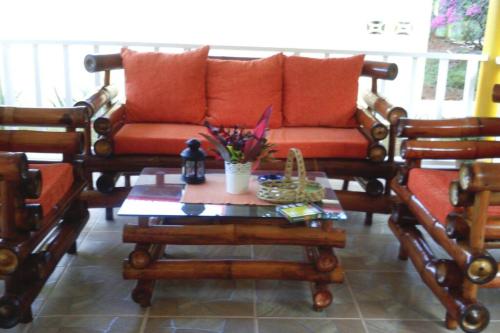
[64,66]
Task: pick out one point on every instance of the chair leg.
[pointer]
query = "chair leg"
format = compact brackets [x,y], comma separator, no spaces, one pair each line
[109,214]
[402,255]
[369,219]
[345,185]
[72,249]
[450,323]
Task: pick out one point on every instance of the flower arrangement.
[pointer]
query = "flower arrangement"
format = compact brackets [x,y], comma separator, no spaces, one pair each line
[237,145]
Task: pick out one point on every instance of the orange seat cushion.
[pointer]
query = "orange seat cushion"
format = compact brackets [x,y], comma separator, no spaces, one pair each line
[163,87]
[238,92]
[321,92]
[167,139]
[431,188]
[57,180]
[320,142]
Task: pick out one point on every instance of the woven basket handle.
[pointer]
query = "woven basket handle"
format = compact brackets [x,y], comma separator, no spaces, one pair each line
[296,154]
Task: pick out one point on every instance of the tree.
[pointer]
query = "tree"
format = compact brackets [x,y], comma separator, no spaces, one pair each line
[461,20]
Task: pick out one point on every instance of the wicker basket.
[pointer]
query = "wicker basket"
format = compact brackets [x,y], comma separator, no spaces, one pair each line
[288,189]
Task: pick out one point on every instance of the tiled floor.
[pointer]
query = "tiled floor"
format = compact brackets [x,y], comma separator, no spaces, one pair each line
[380,294]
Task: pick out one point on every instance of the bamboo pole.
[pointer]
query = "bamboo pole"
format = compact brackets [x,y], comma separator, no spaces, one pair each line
[103,147]
[448,128]
[323,258]
[471,316]
[105,122]
[232,269]
[32,184]
[321,295]
[374,128]
[43,142]
[372,186]
[70,116]
[384,108]
[232,234]
[480,176]
[418,149]
[106,182]
[376,153]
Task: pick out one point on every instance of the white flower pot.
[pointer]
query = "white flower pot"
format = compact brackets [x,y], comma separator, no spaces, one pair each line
[237,177]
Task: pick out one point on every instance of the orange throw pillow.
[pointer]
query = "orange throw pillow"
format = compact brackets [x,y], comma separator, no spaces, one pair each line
[238,92]
[165,88]
[321,92]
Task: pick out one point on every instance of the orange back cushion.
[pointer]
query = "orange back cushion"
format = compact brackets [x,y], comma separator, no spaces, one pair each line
[238,92]
[321,92]
[164,87]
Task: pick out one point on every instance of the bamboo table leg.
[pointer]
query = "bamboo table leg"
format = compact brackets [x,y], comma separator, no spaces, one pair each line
[142,256]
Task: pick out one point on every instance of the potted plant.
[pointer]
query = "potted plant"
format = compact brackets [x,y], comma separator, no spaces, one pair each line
[240,149]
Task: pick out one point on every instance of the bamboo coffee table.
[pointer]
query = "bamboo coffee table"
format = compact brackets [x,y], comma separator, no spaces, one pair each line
[163,219]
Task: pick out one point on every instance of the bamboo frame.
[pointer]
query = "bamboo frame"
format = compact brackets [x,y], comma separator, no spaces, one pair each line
[495,96]
[31,242]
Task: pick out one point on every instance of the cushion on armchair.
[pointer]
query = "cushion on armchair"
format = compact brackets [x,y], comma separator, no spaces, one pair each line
[431,188]
[238,92]
[57,180]
[165,88]
[321,92]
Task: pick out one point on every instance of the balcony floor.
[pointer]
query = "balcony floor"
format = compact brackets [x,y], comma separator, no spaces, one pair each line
[86,293]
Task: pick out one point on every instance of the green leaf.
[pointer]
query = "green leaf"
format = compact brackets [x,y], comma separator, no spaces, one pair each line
[223,152]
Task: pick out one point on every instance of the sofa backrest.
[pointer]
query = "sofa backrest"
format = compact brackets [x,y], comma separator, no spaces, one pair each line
[303,91]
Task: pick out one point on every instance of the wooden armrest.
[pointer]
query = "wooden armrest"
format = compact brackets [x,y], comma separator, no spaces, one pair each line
[13,166]
[102,62]
[380,70]
[97,100]
[73,116]
[42,142]
[448,128]
[468,150]
[496,93]
[480,176]
[106,122]
[384,108]
[370,125]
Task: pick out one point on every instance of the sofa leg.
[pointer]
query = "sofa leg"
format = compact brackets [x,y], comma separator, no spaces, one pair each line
[368,218]
[345,185]
[72,249]
[450,323]
[402,255]
[26,316]
[109,214]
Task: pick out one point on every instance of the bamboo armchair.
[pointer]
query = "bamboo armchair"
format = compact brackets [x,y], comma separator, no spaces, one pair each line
[41,214]
[465,226]
[375,123]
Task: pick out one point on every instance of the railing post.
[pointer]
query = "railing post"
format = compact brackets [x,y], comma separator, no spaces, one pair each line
[7,82]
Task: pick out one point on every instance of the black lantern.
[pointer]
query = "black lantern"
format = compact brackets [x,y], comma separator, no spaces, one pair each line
[193,163]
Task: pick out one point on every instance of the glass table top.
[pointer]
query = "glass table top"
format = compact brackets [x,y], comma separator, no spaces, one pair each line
[158,192]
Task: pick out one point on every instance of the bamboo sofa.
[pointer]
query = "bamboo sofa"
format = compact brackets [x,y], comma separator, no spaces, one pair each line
[41,214]
[458,209]
[123,146]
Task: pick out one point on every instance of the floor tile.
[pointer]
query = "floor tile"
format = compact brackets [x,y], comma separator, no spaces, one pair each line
[294,299]
[407,326]
[394,296]
[310,326]
[93,291]
[372,253]
[203,297]
[102,249]
[86,324]
[195,325]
